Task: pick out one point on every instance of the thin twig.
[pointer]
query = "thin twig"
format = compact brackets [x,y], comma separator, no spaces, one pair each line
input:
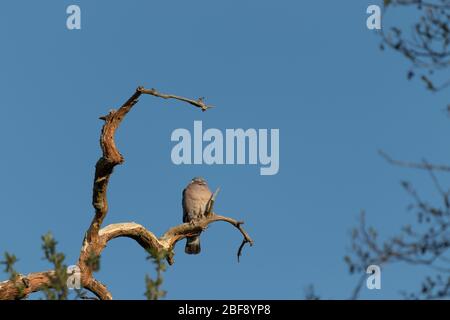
[199,103]
[415,165]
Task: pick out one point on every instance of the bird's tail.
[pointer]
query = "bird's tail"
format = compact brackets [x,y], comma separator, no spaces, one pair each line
[192,245]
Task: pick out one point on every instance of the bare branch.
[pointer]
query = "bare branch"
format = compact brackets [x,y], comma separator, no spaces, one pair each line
[210,205]
[357,289]
[99,289]
[166,243]
[24,285]
[111,157]
[424,165]
[199,103]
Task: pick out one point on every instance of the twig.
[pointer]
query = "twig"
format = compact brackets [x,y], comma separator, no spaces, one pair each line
[423,165]
[210,205]
[199,103]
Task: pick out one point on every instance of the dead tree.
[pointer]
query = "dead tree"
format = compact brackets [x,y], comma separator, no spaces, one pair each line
[96,238]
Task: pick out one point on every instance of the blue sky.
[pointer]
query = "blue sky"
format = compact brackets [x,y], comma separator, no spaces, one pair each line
[311,69]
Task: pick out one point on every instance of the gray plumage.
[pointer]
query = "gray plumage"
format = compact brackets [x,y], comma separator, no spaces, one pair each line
[195,199]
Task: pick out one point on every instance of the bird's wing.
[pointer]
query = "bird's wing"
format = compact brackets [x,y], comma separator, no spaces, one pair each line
[183,203]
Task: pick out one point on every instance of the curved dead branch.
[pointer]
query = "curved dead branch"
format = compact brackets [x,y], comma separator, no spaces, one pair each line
[166,243]
[22,286]
[99,289]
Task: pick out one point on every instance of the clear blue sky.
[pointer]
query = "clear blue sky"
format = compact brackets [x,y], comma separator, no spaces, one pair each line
[310,68]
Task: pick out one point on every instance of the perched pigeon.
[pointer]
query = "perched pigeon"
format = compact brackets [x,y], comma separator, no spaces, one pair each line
[195,199]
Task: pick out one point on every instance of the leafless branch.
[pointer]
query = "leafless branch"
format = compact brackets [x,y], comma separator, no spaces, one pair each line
[424,165]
